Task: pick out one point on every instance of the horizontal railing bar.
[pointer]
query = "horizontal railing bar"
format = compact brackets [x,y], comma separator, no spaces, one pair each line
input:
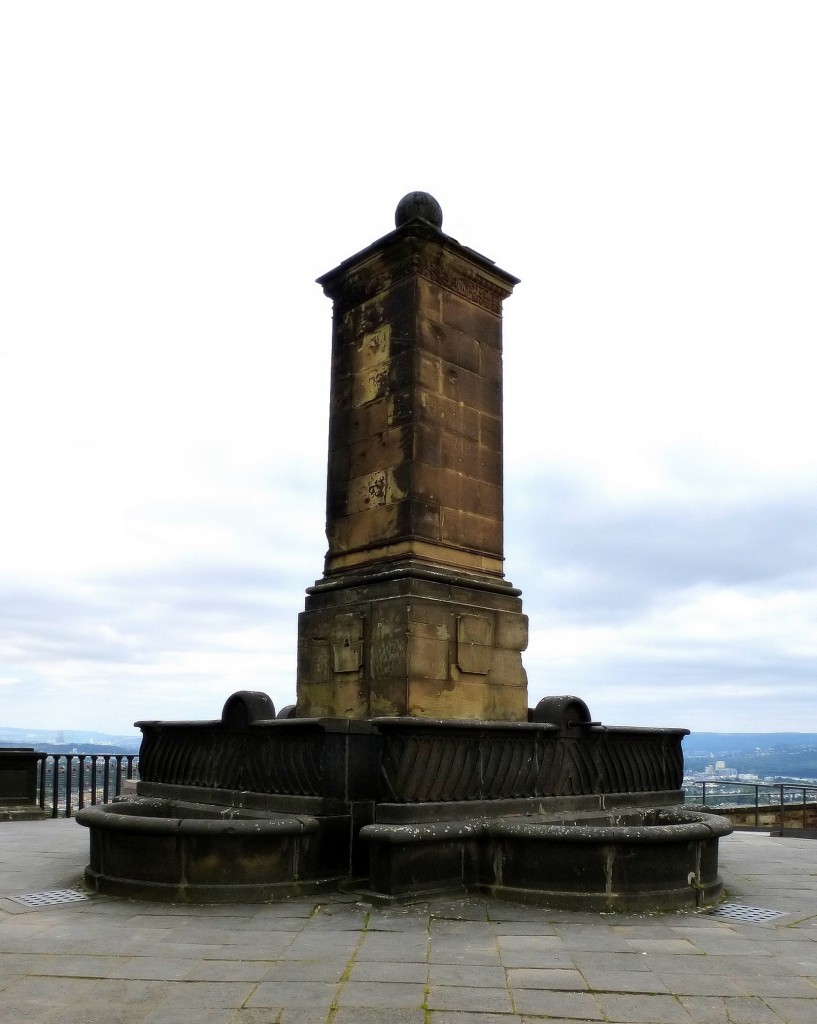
[781,789]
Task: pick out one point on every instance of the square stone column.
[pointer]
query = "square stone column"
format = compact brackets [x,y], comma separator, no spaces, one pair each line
[413,615]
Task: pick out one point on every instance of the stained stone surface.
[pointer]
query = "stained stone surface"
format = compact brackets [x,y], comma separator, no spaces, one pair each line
[413,615]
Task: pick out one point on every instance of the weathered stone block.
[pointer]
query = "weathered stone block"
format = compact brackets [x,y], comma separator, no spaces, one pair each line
[510,703]
[512,631]
[349,425]
[430,445]
[436,699]
[476,532]
[430,299]
[472,390]
[431,602]
[378,451]
[372,527]
[443,630]
[471,319]
[447,415]
[389,618]
[430,373]
[388,696]
[506,668]
[372,349]
[427,658]
[456,349]
[387,657]
[490,432]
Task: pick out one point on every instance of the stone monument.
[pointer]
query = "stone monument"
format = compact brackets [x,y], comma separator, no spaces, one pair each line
[413,615]
[410,764]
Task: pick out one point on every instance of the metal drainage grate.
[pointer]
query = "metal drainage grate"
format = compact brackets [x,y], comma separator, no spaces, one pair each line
[749,915]
[50,898]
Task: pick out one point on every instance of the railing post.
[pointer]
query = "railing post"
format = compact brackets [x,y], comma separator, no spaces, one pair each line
[703,794]
[80,783]
[804,807]
[55,799]
[757,806]
[782,810]
[69,771]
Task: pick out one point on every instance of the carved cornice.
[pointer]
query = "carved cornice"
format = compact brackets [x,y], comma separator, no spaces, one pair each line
[437,258]
[358,287]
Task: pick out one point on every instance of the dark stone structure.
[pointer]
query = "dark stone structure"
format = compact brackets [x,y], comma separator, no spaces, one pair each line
[567,812]
[18,784]
[411,763]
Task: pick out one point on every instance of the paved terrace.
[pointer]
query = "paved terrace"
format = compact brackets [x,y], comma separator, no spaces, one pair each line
[463,961]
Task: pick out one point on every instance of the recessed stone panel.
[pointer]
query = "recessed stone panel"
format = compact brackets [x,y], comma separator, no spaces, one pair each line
[475,644]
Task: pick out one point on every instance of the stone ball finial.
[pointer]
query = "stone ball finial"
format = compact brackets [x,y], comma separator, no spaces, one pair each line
[418,204]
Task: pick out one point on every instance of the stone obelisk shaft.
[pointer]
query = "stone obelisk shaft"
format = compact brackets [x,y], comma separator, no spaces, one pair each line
[413,614]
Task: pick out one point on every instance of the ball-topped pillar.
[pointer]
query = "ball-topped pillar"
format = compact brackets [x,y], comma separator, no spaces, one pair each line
[418,206]
[413,615]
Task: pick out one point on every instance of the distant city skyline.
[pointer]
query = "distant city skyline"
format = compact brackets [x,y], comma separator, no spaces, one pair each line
[178,174]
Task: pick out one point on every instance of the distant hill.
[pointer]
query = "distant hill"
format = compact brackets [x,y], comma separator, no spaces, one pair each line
[715,744]
[781,754]
[63,741]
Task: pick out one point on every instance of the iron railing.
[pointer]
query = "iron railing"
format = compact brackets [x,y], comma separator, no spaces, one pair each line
[782,795]
[69,782]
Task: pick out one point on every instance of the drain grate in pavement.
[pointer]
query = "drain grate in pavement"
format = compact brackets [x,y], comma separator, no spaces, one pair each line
[50,898]
[749,915]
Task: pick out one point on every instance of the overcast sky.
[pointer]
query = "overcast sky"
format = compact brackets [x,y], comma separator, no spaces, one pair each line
[174,176]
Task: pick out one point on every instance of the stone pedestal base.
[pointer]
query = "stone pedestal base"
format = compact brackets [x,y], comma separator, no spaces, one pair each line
[565,812]
[406,643]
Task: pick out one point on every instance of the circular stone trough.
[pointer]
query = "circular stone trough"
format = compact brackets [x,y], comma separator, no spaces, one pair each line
[627,859]
[197,853]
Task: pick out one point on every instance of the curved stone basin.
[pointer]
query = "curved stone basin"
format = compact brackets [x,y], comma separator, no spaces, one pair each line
[630,858]
[634,859]
[201,853]
[625,859]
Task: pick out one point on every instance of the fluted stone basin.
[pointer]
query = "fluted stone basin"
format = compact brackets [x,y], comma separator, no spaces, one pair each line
[202,853]
[559,810]
[628,859]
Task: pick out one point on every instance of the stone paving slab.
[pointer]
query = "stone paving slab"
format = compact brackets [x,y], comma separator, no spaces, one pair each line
[337,960]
